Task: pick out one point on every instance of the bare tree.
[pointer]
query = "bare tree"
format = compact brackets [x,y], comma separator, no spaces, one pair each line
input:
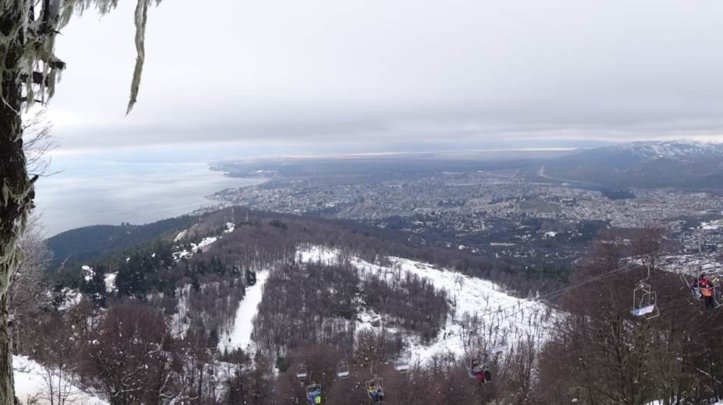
[26,294]
[38,142]
[130,355]
[55,347]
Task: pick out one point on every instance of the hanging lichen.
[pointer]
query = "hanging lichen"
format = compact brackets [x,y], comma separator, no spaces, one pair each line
[40,22]
[141,18]
[29,70]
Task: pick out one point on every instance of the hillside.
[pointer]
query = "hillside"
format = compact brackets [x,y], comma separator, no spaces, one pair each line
[87,243]
[269,305]
[685,165]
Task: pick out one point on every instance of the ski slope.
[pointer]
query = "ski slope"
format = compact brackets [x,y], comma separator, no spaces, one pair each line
[239,337]
[179,320]
[505,319]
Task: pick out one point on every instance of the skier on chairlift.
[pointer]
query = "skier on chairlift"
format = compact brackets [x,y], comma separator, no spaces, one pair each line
[715,280]
[480,370]
[707,291]
[313,394]
[376,392]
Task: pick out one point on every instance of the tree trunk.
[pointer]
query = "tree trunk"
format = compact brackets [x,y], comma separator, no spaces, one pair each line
[16,189]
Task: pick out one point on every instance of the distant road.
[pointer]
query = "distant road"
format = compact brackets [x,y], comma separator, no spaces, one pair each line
[541,173]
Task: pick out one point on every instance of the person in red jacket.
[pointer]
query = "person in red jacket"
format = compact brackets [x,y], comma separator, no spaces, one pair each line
[707,291]
[480,370]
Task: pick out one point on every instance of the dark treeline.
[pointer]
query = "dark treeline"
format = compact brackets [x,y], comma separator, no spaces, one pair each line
[272,236]
[320,303]
[264,237]
[314,304]
[600,354]
[128,355]
[91,242]
[412,303]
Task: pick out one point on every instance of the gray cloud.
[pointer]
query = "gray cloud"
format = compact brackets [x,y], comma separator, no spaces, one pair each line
[369,74]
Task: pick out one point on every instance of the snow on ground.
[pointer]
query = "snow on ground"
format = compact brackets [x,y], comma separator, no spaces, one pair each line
[240,335]
[502,244]
[691,264]
[180,235]
[201,246]
[503,316]
[71,298]
[87,272]
[181,254]
[368,319]
[30,384]
[317,254]
[109,280]
[712,225]
[179,320]
[204,244]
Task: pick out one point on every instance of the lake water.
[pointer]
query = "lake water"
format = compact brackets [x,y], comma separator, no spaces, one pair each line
[92,192]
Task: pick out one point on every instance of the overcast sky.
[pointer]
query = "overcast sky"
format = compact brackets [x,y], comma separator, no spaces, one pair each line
[283,76]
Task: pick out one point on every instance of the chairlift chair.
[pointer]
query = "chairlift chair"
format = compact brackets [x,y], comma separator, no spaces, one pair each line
[712,292]
[699,293]
[693,288]
[645,302]
[715,291]
[496,350]
[376,384]
[403,364]
[301,372]
[313,393]
[342,370]
[468,367]
[486,369]
[717,296]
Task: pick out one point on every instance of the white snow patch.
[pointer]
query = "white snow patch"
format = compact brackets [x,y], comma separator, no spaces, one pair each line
[230,226]
[180,235]
[180,255]
[506,318]
[712,225]
[71,298]
[87,272]
[30,384]
[317,254]
[240,335]
[204,244]
[179,324]
[690,264]
[109,280]
[368,320]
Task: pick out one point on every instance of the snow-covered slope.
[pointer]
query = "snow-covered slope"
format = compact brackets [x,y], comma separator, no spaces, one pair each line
[239,335]
[504,319]
[201,246]
[31,385]
[674,150]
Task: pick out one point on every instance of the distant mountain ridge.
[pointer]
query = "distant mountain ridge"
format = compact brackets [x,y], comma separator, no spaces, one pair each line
[681,164]
[674,150]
